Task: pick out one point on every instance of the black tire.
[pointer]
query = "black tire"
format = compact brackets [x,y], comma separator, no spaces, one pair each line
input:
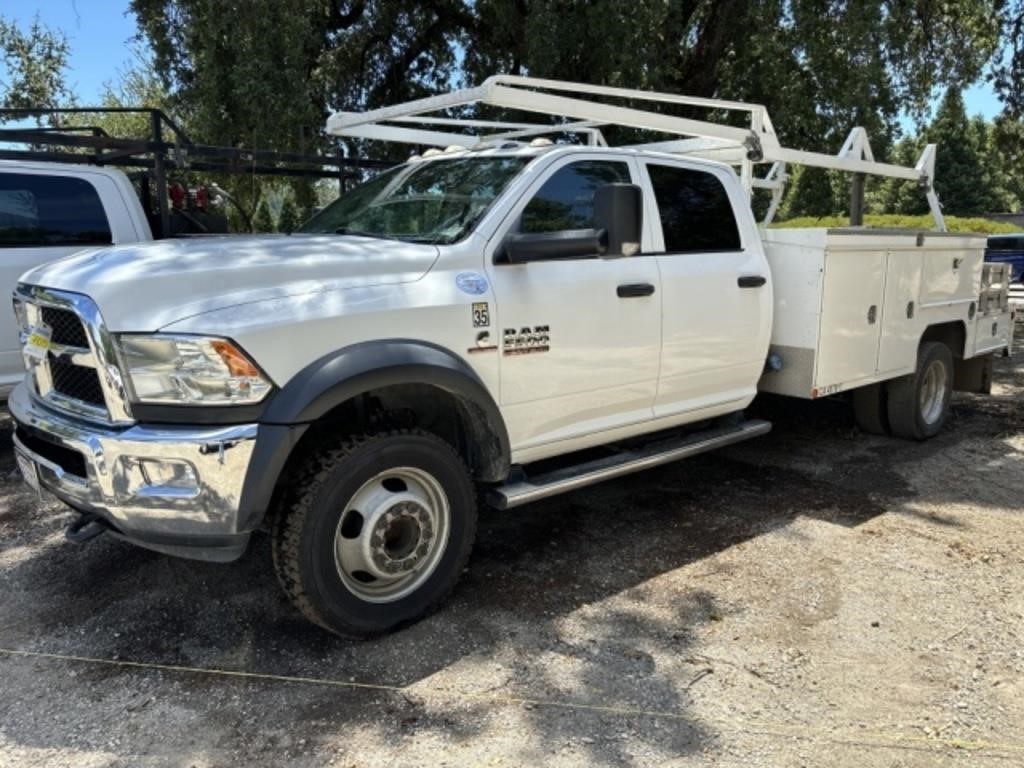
[909,418]
[869,409]
[305,533]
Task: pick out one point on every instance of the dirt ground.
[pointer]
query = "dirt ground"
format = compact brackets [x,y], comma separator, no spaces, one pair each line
[814,597]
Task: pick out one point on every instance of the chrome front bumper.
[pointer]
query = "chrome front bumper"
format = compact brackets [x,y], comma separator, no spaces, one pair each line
[172,488]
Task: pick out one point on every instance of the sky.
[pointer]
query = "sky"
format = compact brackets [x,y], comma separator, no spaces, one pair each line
[100,34]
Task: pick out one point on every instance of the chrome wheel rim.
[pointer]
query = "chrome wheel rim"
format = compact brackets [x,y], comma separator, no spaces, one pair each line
[391,534]
[933,392]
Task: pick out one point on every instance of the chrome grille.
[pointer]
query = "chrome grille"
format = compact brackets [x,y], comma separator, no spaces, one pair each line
[66,325]
[76,381]
[78,372]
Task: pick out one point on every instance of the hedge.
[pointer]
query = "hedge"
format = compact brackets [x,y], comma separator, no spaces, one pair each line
[878,221]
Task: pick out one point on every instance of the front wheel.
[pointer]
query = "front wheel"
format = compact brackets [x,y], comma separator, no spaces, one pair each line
[918,404]
[376,531]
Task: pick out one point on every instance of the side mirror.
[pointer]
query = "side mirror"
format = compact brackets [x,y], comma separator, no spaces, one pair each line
[520,248]
[619,211]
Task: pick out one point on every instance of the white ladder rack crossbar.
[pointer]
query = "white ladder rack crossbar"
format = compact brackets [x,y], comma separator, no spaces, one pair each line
[412,123]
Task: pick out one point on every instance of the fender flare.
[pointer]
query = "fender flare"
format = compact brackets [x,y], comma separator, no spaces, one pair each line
[340,376]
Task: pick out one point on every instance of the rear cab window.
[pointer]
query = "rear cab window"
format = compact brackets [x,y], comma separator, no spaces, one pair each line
[694,209]
[38,210]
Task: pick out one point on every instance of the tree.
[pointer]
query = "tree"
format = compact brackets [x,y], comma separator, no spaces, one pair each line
[895,195]
[1008,154]
[267,73]
[35,64]
[961,180]
[810,193]
[288,221]
[1007,73]
[261,221]
[256,71]
[826,65]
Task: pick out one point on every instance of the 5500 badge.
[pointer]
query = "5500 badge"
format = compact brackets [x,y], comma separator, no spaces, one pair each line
[526,340]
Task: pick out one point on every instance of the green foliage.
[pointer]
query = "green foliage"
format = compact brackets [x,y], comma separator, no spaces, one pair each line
[288,220]
[894,221]
[254,71]
[34,67]
[267,73]
[1008,72]
[261,221]
[894,196]
[810,194]
[825,65]
[961,179]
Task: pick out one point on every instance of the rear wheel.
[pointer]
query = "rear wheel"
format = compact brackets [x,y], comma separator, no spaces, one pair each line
[918,404]
[376,531]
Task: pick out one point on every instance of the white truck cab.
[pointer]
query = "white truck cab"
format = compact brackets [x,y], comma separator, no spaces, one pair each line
[51,210]
[520,319]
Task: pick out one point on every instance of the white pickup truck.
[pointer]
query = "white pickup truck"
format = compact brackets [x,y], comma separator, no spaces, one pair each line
[48,211]
[442,329]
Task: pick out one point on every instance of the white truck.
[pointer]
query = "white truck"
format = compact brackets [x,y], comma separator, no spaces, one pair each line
[509,316]
[51,210]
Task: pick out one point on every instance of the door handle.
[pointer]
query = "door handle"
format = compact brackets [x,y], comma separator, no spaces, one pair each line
[633,290]
[751,281]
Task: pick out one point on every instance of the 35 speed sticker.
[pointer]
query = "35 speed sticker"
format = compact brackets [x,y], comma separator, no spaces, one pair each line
[481,314]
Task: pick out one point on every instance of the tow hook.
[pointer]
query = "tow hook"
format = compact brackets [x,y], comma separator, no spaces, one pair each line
[85,527]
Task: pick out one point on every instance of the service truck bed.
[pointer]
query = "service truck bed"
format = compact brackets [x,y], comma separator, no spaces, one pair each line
[851,305]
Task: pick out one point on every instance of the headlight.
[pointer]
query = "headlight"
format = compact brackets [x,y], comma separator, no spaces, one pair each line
[189,370]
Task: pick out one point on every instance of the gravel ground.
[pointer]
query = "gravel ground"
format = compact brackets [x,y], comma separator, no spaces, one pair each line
[813,597]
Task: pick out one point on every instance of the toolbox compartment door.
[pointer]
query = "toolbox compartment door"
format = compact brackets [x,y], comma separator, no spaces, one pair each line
[851,316]
[901,313]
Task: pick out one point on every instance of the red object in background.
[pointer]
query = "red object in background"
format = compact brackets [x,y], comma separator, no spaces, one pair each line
[178,195]
[202,199]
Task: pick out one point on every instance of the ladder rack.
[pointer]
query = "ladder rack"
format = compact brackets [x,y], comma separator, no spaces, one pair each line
[583,109]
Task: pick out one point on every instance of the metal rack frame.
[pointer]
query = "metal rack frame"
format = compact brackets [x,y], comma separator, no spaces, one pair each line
[155,155]
[567,110]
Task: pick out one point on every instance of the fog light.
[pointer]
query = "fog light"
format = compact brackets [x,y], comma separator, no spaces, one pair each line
[167,478]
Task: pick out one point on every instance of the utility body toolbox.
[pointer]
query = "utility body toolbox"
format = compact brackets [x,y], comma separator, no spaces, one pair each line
[852,305]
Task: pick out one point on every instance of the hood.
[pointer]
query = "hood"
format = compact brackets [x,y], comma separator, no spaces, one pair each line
[145,286]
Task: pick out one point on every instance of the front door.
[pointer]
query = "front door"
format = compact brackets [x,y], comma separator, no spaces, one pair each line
[577,359]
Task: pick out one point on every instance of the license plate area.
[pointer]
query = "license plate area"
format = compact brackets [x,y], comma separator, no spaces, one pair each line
[29,470]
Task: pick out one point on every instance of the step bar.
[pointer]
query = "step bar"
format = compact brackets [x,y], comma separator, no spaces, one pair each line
[525,491]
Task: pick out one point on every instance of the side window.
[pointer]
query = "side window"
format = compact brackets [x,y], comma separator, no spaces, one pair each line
[694,209]
[38,210]
[566,201]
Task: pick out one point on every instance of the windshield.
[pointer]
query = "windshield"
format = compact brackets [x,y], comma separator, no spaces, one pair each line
[438,201]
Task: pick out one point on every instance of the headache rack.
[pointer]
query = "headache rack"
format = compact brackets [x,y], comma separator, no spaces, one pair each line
[152,161]
[583,110]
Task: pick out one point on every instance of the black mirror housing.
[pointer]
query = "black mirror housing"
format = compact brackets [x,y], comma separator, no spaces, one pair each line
[619,211]
[520,248]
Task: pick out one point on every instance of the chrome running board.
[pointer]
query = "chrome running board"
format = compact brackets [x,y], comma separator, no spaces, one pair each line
[524,491]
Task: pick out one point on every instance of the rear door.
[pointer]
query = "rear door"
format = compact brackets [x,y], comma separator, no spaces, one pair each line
[716,286]
[42,218]
[577,359]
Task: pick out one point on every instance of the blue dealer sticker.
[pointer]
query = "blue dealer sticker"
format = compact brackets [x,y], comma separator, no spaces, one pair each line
[472,283]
